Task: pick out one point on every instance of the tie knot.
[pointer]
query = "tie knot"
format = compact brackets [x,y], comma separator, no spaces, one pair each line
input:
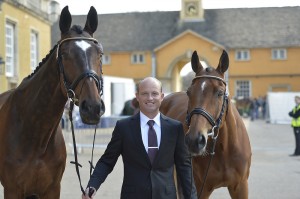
[151,123]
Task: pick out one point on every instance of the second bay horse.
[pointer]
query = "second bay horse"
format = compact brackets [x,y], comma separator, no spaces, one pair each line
[208,115]
[32,147]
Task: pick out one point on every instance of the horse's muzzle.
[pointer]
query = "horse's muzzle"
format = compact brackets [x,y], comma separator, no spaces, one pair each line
[91,113]
[196,144]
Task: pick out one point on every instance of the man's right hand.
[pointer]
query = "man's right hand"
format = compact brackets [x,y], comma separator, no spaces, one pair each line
[90,192]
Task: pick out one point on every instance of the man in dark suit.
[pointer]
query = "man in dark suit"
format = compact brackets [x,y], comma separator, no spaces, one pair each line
[148,167]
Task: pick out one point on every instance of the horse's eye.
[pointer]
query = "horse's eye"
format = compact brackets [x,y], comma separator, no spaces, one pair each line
[220,93]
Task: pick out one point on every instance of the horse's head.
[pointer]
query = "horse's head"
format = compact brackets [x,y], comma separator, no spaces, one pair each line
[80,62]
[207,103]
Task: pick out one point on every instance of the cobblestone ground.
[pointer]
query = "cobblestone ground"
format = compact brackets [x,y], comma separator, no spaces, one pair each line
[274,175]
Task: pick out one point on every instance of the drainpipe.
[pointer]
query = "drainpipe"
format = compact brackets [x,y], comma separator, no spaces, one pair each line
[153,65]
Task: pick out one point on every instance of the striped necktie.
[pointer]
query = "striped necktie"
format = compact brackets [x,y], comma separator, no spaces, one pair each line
[152,141]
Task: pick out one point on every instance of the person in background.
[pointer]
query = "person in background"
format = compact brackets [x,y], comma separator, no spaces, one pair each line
[131,107]
[295,114]
[151,145]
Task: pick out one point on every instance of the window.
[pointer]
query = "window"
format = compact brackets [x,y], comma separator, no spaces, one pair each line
[242,88]
[242,55]
[106,59]
[279,54]
[10,49]
[33,50]
[138,58]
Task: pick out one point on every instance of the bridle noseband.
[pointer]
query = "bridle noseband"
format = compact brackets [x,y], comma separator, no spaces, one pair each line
[70,87]
[200,111]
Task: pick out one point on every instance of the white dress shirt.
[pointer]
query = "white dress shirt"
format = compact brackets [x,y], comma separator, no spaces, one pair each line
[145,128]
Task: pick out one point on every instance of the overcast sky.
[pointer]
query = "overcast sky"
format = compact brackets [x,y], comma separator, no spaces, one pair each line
[118,6]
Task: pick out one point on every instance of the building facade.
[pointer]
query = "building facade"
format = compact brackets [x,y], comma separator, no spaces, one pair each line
[262,43]
[25,29]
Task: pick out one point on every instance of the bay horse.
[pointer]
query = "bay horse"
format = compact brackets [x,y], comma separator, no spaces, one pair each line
[215,133]
[32,147]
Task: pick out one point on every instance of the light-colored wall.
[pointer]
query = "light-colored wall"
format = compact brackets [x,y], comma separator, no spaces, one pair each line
[121,66]
[25,22]
[264,73]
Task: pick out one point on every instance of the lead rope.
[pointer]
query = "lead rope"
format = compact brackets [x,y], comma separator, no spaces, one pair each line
[212,153]
[91,161]
[77,165]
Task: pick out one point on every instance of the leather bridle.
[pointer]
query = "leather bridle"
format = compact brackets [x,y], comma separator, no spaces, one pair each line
[70,87]
[200,111]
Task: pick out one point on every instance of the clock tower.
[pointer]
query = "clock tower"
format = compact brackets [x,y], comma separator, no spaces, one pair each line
[191,10]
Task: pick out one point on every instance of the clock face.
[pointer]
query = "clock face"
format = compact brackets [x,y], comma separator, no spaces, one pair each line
[191,9]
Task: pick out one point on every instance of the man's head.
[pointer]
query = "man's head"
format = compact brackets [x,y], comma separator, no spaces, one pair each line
[149,95]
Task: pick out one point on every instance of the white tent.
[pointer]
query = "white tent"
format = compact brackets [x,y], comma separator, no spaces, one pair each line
[279,105]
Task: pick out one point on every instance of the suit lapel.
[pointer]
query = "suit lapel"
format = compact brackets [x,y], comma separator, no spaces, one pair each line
[136,129]
[164,136]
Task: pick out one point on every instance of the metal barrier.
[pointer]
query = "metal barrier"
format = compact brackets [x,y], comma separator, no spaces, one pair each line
[84,139]
[85,133]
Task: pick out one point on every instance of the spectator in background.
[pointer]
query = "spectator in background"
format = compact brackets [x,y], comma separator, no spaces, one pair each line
[295,114]
[253,109]
[131,107]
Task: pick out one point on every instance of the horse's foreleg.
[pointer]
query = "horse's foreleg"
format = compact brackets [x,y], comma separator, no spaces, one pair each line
[239,191]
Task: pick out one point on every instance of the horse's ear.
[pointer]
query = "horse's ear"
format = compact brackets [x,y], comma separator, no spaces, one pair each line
[223,63]
[65,20]
[196,65]
[91,23]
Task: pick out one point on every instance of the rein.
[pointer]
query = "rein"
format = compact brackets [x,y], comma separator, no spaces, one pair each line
[215,124]
[71,95]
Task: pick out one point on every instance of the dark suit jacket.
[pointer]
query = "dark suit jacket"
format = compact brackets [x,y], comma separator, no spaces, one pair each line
[141,179]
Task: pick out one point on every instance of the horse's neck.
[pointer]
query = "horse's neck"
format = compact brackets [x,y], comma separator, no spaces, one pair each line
[228,132]
[40,98]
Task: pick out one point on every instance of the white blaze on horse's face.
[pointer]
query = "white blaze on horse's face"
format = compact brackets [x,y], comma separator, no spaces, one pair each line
[83,45]
[203,85]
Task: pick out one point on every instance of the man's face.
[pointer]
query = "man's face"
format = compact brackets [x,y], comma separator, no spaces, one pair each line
[149,97]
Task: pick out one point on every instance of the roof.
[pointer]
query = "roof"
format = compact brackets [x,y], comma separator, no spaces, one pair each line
[232,28]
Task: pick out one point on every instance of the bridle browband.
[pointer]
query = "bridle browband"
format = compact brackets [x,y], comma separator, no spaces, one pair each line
[70,87]
[200,111]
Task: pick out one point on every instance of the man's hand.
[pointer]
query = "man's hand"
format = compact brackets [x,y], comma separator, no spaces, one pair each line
[90,192]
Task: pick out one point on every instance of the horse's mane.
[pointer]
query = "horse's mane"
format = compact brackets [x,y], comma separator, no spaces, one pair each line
[77,28]
[42,62]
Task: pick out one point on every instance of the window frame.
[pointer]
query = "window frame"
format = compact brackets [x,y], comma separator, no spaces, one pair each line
[242,55]
[10,58]
[279,53]
[138,58]
[244,92]
[34,49]
[106,59]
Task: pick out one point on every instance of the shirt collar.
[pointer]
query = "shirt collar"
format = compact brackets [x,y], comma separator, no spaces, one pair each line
[145,119]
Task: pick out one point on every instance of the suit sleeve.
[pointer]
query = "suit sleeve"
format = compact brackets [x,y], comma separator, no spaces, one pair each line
[184,167]
[108,160]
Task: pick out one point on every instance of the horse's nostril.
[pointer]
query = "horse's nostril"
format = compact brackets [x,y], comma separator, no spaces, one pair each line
[201,141]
